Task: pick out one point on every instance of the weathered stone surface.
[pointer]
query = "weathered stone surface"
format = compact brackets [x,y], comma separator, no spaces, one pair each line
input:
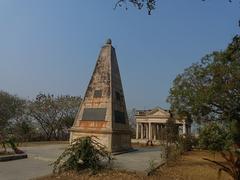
[103,111]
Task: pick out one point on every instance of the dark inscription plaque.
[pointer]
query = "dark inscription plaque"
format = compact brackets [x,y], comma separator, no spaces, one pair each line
[97,94]
[94,114]
[119,117]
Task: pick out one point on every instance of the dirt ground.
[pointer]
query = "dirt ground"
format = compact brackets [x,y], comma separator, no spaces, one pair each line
[190,166]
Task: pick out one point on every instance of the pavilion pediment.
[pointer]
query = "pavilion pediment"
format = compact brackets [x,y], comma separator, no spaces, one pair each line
[158,112]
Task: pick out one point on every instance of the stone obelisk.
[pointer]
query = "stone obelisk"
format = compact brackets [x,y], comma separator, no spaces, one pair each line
[102,112]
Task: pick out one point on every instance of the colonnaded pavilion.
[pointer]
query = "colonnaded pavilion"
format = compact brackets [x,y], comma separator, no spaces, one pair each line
[150,125]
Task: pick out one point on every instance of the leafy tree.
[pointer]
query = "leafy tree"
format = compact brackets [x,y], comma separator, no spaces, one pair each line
[210,90]
[171,131]
[54,114]
[170,136]
[23,129]
[132,121]
[140,4]
[214,137]
[11,107]
[149,5]
[132,118]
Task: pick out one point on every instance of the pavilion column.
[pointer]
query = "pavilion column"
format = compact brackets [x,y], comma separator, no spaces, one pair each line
[161,131]
[141,131]
[147,131]
[137,133]
[150,131]
[155,132]
[158,131]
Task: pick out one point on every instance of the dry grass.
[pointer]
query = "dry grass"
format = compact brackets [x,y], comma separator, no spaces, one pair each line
[191,166]
[103,175]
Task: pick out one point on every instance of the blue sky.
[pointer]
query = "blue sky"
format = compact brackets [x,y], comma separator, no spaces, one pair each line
[51,45]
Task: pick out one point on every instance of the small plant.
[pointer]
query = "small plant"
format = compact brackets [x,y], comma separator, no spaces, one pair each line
[12,143]
[151,167]
[14,147]
[83,153]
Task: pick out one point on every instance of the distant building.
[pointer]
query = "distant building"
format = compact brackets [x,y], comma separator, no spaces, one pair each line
[151,123]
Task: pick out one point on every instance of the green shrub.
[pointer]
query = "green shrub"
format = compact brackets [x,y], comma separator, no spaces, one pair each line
[186,143]
[215,137]
[83,153]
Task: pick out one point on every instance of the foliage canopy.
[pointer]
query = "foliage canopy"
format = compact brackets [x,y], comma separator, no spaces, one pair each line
[210,90]
[10,107]
[54,114]
[214,137]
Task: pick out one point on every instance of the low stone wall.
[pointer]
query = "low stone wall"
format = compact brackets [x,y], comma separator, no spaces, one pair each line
[144,141]
[13,157]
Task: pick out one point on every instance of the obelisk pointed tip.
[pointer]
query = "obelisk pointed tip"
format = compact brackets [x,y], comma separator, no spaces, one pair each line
[109,41]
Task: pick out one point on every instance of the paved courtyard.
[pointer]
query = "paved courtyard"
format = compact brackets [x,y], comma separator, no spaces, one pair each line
[37,164]
[40,158]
